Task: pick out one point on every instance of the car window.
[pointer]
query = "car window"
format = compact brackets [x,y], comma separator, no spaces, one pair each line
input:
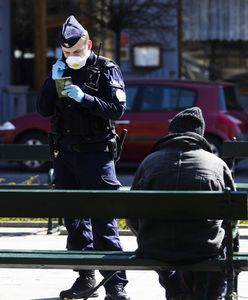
[158,97]
[170,98]
[186,99]
[152,97]
[244,101]
[131,93]
[230,96]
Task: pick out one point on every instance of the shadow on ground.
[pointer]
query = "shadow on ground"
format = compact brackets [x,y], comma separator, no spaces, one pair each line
[11,234]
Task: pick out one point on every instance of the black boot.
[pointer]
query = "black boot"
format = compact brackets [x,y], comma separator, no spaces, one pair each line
[117,292]
[80,288]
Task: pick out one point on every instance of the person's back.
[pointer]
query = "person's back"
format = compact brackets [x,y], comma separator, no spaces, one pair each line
[181,161]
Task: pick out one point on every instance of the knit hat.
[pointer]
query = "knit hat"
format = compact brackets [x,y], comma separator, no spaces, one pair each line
[190,119]
[71,32]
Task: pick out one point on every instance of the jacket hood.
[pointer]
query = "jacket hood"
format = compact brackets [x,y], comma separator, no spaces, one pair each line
[186,138]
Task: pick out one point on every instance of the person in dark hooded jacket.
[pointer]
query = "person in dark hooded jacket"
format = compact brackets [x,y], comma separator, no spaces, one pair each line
[183,161]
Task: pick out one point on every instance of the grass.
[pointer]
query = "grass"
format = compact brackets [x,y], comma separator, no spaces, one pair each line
[121,222]
[31,180]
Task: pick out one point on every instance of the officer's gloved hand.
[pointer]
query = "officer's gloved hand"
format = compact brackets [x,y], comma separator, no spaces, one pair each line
[74,92]
[58,69]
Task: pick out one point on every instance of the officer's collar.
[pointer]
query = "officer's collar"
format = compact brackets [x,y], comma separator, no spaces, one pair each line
[91,59]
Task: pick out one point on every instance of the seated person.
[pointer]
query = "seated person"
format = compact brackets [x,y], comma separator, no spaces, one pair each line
[183,161]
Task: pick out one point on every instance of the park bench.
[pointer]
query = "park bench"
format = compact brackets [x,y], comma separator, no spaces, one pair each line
[234,151]
[176,205]
[22,152]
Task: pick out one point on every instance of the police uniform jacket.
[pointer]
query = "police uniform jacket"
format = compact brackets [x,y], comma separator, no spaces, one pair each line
[181,162]
[91,120]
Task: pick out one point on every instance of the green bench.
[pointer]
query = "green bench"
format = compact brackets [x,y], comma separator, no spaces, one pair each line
[19,152]
[233,151]
[191,205]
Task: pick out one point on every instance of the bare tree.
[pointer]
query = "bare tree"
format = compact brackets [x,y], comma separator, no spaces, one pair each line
[138,16]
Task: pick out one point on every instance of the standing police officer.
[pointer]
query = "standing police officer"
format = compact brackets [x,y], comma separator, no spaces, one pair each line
[83,144]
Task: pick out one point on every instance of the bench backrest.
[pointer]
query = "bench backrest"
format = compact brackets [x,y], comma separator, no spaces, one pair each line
[24,152]
[124,204]
[235,149]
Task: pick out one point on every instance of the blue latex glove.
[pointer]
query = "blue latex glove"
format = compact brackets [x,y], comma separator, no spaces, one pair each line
[74,92]
[58,69]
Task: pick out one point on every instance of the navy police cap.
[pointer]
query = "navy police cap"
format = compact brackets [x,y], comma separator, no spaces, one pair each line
[71,32]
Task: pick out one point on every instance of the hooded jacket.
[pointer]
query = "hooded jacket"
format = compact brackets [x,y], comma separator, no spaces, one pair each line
[181,162]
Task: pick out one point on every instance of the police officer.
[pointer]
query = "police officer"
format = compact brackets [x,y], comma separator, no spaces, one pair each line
[83,144]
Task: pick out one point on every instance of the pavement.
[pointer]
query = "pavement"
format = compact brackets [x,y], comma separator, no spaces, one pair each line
[46,284]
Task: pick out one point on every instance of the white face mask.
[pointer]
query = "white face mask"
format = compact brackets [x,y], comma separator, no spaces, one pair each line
[77,62]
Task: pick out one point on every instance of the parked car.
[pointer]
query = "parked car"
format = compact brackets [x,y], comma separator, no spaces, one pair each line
[243,88]
[151,104]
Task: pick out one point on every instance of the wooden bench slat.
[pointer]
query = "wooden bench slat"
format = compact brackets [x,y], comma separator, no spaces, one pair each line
[106,260]
[235,149]
[242,186]
[124,204]
[24,152]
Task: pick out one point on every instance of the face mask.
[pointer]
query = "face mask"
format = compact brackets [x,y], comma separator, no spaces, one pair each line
[77,62]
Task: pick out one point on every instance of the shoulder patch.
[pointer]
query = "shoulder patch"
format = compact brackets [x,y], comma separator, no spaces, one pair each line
[120,95]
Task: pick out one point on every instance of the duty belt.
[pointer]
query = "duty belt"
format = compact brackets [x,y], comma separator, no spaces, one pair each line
[101,147]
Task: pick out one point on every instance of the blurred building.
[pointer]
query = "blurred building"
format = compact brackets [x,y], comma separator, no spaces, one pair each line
[29,44]
[215,39]
[187,39]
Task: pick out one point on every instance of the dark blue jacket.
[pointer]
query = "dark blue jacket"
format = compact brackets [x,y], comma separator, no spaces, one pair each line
[92,120]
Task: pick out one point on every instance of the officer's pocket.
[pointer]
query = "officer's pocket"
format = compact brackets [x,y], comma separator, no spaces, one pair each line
[107,175]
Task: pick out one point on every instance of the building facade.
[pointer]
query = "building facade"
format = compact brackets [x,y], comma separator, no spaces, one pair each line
[28,45]
[215,39]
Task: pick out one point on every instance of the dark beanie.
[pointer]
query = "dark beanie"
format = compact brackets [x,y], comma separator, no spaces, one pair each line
[190,119]
[71,32]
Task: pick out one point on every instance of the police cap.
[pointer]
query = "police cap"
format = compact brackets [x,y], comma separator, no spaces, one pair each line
[71,32]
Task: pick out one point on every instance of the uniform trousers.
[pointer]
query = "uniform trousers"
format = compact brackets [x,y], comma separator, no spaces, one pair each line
[86,171]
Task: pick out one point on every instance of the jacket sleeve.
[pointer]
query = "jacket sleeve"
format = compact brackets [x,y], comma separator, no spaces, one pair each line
[47,98]
[228,179]
[137,183]
[229,182]
[133,224]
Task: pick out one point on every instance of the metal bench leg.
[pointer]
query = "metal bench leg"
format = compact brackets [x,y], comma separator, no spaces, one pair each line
[105,280]
[50,226]
[230,295]
[236,246]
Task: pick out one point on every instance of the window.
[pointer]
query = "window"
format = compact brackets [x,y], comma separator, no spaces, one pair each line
[186,99]
[152,98]
[163,98]
[147,55]
[131,93]
[230,96]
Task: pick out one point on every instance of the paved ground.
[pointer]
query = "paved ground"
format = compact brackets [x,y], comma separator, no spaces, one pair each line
[29,284]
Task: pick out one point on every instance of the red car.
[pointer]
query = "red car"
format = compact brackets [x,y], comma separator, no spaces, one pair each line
[151,104]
